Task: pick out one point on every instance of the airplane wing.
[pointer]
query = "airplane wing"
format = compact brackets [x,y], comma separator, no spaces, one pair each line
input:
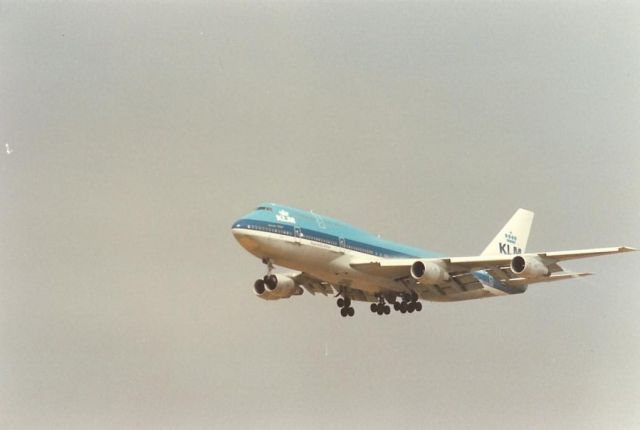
[460,269]
[496,265]
[556,256]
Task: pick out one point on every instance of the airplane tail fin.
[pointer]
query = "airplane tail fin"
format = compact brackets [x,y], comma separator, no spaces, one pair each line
[513,237]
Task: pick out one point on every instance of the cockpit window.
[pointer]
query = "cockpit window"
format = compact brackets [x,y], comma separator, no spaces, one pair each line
[263,208]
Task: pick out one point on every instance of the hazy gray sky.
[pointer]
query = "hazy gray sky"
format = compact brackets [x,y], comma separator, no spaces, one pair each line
[141,131]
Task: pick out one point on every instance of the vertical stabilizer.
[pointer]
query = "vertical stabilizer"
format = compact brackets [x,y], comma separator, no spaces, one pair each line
[513,237]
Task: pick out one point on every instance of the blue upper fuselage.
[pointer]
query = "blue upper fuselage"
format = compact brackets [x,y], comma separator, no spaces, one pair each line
[288,221]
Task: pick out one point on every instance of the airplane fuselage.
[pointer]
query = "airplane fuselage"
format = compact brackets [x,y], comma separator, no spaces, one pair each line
[324,248]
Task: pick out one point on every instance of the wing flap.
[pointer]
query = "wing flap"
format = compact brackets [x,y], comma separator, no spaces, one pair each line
[516,282]
[465,282]
[313,285]
[480,261]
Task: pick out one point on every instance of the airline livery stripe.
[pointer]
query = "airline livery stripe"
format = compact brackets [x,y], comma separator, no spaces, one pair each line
[318,236]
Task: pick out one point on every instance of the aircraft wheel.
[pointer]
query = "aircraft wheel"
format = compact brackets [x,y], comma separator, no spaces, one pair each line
[347,302]
[344,312]
[387,310]
[396,306]
[351,312]
[340,302]
[374,307]
[403,307]
[418,306]
[411,307]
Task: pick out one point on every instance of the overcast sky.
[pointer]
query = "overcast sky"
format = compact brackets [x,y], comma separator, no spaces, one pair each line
[140,132]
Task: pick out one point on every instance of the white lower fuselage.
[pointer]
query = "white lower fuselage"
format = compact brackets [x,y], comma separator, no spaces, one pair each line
[332,264]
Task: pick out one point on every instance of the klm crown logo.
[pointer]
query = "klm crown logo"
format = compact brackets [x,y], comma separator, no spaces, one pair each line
[510,247]
[283,216]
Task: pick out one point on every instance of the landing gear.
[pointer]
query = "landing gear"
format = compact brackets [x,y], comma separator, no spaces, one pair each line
[346,308]
[347,312]
[269,264]
[380,308]
[409,304]
[343,303]
[270,281]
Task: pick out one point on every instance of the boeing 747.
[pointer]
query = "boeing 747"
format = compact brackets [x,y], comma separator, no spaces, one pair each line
[331,257]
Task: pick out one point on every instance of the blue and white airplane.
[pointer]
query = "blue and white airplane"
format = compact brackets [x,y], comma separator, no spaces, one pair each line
[332,257]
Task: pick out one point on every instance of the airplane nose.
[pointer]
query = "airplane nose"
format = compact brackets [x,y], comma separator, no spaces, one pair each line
[237,230]
[244,237]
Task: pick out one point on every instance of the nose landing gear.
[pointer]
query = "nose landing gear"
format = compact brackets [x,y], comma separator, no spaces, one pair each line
[269,280]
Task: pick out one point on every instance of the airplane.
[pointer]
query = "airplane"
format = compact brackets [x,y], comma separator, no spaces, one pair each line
[331,257]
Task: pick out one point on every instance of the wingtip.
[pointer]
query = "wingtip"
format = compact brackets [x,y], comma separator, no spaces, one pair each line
[580,274]
[627,249]
[526,210]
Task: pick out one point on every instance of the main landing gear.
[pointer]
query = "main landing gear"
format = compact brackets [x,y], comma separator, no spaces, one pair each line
[346,308]
[381,308]
[409,304]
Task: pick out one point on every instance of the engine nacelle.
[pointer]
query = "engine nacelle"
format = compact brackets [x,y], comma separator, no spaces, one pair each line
[529,266]
[259,288]
[427,272]
[274,287]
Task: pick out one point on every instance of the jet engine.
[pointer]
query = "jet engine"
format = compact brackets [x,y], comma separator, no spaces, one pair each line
[274,287]
[259,288]
[529,266]
[427,272]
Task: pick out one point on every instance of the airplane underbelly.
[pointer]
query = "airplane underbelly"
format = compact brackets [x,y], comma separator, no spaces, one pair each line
[318,259]
[291,252]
